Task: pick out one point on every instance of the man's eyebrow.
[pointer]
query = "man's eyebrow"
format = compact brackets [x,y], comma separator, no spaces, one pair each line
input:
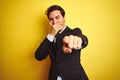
[57,16]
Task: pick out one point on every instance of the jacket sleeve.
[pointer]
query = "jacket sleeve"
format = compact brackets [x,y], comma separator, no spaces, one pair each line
[42,51]
[78,33]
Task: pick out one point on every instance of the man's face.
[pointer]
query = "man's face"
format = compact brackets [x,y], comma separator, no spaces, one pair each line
[55,17]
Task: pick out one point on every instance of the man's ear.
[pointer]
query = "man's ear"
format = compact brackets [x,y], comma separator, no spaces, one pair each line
[64,18]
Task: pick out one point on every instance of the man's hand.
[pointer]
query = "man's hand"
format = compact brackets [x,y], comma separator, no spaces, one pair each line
[71,43]
[55,28]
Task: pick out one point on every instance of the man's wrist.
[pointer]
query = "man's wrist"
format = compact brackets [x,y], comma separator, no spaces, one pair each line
[50,37]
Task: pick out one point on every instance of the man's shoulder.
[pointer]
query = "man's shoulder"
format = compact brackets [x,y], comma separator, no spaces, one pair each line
[74,31]
[77,30]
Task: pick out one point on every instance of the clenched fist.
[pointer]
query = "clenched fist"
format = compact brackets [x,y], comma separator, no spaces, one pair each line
[71,43]
[55,28]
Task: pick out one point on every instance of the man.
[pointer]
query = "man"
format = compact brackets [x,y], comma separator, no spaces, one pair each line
[63,45]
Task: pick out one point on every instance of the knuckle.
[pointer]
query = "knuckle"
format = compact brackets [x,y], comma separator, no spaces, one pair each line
[65,39]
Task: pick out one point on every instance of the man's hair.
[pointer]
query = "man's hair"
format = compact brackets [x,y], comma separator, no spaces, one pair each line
[55,7]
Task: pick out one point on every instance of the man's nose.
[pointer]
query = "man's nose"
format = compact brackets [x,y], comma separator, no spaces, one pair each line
[54,21]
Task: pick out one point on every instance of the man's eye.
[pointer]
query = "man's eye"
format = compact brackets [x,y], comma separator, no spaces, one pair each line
[57,17]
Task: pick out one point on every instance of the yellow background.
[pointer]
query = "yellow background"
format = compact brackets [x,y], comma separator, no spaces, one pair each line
[23,25]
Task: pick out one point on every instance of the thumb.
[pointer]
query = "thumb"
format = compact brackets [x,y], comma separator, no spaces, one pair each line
[66,49]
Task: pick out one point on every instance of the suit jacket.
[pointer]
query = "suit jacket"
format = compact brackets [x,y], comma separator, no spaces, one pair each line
[67,66]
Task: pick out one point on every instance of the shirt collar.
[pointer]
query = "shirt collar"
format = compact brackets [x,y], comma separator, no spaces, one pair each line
[62,30]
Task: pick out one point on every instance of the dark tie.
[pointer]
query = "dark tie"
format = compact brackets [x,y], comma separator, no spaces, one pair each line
[56,37]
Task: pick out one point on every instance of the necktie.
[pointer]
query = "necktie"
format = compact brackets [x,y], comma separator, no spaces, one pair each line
[56,37]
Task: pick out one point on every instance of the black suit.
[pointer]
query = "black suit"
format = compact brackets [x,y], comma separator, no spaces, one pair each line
[67,66]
